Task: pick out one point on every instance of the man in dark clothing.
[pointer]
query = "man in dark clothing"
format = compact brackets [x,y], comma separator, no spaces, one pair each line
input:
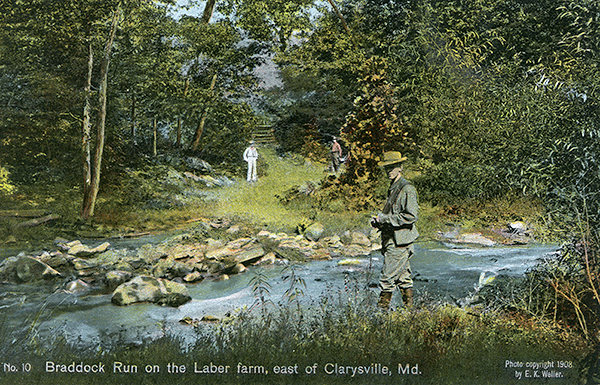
[398,232]
[336,154]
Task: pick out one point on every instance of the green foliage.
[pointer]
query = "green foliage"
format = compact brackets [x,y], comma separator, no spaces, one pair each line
[296,286]
[5,186]
[271,21]
[562,289]
[373,127]
[261,288]
[313,148]
[453,182]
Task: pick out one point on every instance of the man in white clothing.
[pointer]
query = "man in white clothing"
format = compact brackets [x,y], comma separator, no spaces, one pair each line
[250,156]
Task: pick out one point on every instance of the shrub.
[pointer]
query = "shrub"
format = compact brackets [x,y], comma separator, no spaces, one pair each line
[5,186]
[562,289]
[453,181]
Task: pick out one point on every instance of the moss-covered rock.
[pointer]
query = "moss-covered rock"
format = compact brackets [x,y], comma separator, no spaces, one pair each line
[153,290]
[26,269]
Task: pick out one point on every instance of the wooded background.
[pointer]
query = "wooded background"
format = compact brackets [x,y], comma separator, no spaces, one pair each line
[486,97]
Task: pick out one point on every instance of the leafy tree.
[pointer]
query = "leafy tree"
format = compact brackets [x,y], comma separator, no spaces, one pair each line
[373,126]
[222,81]
[274,21]
[45,47]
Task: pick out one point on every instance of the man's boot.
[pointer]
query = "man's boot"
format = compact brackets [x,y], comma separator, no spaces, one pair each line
[385,297]
[407,297]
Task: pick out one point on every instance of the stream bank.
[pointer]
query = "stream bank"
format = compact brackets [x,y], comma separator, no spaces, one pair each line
[78,302]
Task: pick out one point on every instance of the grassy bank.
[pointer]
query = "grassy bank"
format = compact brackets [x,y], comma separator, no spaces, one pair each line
[340,339]
[128,208]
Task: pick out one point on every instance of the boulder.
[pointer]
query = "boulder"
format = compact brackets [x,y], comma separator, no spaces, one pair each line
[240,243]
[358,238]
[268,259]
[314,231]
[238,268]
[169,268]
[198,164]
[183,251]
[57,260]
[220,253]
[214,267]
[517,227]
[356,251]
[474,239]
[210,319]
[375,238]
[264,234]
[153,290]
[77,287]
[321,254]
[26,269]
[193,277]
[84,264]
[293,249]
[114,278]
[250,255]
[77,249]
[333,242]
[150,253]
[212,244]
[189,321]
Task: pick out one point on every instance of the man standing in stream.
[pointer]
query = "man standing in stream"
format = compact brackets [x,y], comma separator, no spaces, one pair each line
[398,232]
[250,156]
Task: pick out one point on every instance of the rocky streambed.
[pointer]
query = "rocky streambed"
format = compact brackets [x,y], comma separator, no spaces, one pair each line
[161,273]
[133,288]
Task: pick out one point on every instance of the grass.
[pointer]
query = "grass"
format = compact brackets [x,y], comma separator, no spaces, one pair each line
[126,209]
[430,344]
[258,201]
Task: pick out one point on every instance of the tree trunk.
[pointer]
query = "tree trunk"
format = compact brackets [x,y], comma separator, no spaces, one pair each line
[179,118]
[208,11]
[86,129]
[206,16]
[178,140]
[89,200]
[133,100]
[154,136]
[200,128]
[340,16]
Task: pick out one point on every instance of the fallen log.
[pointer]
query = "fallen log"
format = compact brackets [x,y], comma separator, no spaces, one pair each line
[38,221]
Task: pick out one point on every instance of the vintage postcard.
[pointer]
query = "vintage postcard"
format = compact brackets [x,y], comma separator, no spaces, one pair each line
[299,192]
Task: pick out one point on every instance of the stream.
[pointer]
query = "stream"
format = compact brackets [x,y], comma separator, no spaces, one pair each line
[442,270]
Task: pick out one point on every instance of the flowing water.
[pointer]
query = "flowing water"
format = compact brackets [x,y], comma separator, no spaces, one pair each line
[444,271]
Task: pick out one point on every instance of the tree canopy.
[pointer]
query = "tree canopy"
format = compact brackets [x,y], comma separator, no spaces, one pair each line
[485,96]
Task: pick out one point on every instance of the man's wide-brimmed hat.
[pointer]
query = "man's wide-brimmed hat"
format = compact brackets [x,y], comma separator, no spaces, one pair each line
[392,157]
